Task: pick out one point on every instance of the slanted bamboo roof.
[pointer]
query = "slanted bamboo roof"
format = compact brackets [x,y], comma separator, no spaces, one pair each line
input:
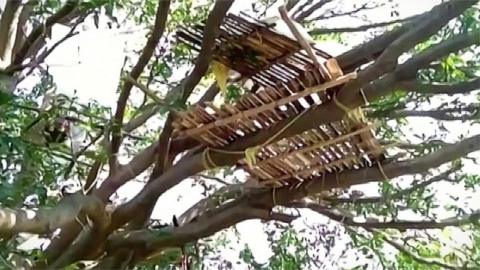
[286,83]
[254,50]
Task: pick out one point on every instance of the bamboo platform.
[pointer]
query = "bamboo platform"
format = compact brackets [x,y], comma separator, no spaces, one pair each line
[251,48]
[252,112]
[286,83]
[328,148]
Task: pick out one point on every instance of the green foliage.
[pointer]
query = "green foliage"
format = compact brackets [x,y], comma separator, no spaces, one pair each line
[4,97]
[289,253]
[233,93]
[471,182]
[337,37]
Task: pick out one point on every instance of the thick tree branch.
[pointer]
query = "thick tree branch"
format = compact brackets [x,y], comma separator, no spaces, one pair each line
[227,218]
[209,223]
[305,13]
[402,225]
[152,42]
[448,114]
[226,215]
[407,70]
[36,33]
[212,221]
[418,165]
[210,33]
[387,60]
[8,29]
[350,178]
[291,4]
[45,221]
[440,88]
[163,160]
[369,51]
[216,199]
[397,195]
[444,48]
[210,94]
[22,25]
[134,123]
[136,166]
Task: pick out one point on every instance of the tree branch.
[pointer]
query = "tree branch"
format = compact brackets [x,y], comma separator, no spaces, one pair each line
[210,33]
[448,114]
[418,165]
[348,220]
[137,165]
[145,197]
[210,94]
[397,195]
[45,221]
[444,48]
[361,28]
[332,14]
[22,25]
[149,240]
[387,61]
[449,89]
[145,90]
[152,42]
[305,13]
[417,258]
[36,33]
[291,4]
[8,29]
[36,61]
[225,193]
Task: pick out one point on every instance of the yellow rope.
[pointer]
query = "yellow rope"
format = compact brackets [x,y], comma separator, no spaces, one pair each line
[207,160]
[250,153]
[355,115]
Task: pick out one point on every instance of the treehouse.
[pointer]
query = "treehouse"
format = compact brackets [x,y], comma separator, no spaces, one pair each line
[286,79]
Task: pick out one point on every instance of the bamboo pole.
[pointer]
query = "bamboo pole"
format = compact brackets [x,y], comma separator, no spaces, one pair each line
[301,40]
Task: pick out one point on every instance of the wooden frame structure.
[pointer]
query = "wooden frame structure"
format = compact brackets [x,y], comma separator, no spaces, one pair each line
[286,82]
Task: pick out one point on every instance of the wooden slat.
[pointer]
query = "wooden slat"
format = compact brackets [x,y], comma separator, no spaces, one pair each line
[280,102]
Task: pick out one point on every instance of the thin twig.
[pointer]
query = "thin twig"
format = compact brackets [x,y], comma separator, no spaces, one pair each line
[415,257]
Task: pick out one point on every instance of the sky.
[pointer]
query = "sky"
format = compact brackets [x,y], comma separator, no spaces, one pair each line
[90,63]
